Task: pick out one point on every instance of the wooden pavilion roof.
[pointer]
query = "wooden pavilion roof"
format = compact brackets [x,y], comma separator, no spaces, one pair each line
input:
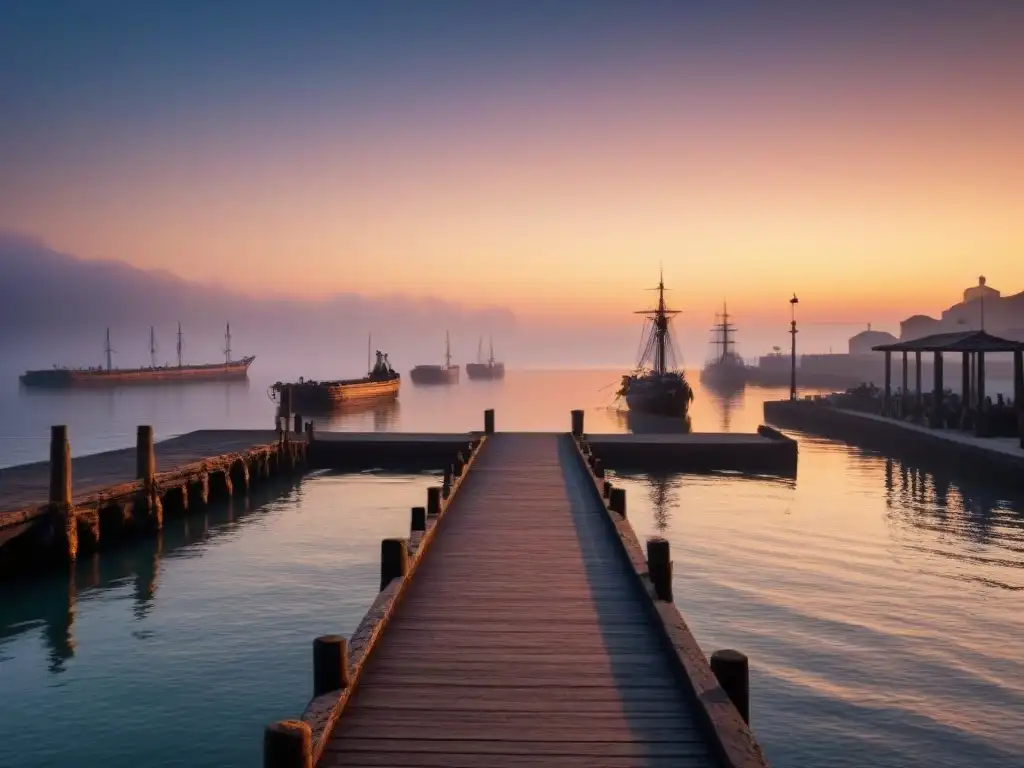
[964,341]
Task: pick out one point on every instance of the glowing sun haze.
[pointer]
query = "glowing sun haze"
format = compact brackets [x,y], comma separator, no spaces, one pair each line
[547,157]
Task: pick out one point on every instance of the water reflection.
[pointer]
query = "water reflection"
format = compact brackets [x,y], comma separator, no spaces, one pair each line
[49,602]
[366,416]
[726,400]
[649,423]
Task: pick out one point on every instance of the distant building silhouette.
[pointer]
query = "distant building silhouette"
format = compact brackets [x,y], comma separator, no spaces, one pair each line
[982,306]
[862,343]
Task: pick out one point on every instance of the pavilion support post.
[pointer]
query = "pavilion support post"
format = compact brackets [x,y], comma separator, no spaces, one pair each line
[1018,391]
[903,390]
[981,427]
[965,379]
[917,380]
[887,398]
[937,420]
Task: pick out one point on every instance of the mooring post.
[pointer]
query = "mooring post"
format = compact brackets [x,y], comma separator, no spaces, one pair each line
[310,431]
[434,500]
[60,465]
[394,560]
[419,519]
[733,673]
[298,423]
[489,421]
[62,513]
[577,424]
[659,566]
[287,744]
[145,456]
[607,489]
[330,664]
[598,469]
[617,500]
[285,410]
[448,472]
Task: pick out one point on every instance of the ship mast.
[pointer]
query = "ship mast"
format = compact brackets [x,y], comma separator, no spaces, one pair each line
[179,345]
[152,347]
[724,328]
[109,351]
[369,368]
[227,345]
[661,315]
[491,358]
[480,350]
[447,351]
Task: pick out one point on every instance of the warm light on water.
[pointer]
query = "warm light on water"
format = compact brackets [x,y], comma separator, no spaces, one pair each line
[879,602]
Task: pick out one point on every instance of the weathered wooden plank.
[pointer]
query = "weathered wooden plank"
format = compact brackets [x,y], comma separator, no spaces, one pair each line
[517,699]
[552,749]
[547,730]
[432,760]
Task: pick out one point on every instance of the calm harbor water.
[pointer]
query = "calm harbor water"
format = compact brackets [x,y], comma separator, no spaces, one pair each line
[880,602]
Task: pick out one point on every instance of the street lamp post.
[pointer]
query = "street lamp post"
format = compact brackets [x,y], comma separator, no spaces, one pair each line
[792,348]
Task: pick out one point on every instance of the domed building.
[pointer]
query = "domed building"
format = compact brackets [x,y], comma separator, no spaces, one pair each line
[862,343]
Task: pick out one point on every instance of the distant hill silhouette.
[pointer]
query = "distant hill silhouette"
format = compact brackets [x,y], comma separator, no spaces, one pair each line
[44,290]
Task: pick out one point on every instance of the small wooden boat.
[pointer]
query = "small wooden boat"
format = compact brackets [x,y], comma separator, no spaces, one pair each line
[381,383]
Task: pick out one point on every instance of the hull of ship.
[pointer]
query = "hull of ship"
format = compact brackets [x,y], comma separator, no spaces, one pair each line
[485,370]
[337,394]
[434,375]
[61,378]
[724,377]
[662,403]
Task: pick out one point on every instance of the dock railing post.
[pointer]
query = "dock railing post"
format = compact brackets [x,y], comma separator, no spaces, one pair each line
[287,744]
[298,424]
[330,664]
[145,455]
[434,500]
[446,484]
[733,673]
[62,513]
[419,519]
[489,421]
[659,566]
[459,465]
[60,466]
[617,500]
[394,560]
[577,424]
[607,489]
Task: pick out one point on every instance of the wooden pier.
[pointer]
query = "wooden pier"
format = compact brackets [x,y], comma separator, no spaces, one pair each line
[521,625]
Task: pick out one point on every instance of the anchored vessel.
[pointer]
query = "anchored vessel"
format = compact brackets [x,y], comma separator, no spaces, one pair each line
[491,369]
[727,371]
[109,375]
[437,374]
[380,383]
[657,386]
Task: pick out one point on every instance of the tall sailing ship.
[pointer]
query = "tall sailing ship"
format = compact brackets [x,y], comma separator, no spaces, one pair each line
[656,385]
[381,383]
[489,369]
[726,371]
[108,375]
[437,374]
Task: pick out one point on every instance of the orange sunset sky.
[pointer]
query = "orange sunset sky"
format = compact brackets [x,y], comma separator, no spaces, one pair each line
[547,159]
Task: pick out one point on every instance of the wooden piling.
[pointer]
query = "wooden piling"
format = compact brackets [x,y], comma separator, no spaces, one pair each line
[419,519]
[733,672]
[60,465]
[577,424]
[617,500]
[459,465]
[287,744]
[298,423]
[62,514]
[145,455]
[607,489]
[330,664]
[659,566]
[598,469]
[489,421]
[394,560]
[434,500]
